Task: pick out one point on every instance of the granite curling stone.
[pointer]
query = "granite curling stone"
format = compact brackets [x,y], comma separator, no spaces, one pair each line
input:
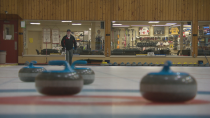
[128,64]
[168,86]
[133,64]
[59,82]
[87,74]
[29,73]
[139,64]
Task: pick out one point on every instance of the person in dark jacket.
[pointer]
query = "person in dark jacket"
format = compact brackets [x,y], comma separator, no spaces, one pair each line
[67,42]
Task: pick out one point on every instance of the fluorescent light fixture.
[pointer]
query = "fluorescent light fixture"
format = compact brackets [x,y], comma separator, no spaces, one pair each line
[187,25]
[170,23]
[66,21]
[113,21]
[161,25]
[117,24]
[35,23]
[139,25]
[76,24]
[177,25]
[153,21]
[121,26]
[89,28]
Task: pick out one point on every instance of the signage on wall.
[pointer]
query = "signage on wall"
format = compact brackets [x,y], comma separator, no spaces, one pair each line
[46,35]
[107,34]
[23,24]
[159,30]
[174,30]
[144,30]
[55,36]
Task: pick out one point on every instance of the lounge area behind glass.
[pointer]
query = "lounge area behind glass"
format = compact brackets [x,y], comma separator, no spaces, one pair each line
[44,37]
[203,38]
[151,38]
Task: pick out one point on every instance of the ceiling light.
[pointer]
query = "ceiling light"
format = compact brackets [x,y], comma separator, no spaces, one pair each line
[117,24]
[161,25]
[121,26]
[66,21]
[153,21]
[113,21]
[139,25]
[35,23]
[170,23]
[89,28]
[187,25]
[76,24]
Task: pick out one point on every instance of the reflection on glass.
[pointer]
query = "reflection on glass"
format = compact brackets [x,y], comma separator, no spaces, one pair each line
[146,39]
[203,39]
[8,32]
[45,39]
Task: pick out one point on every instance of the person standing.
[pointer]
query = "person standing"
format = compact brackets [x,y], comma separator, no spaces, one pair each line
[67,42]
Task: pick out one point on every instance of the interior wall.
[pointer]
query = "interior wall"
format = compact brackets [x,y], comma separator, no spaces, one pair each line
[110,10]
[36,43]
[43,59]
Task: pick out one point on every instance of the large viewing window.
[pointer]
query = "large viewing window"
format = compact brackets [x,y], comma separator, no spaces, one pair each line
[204,38]
[44,37]
[151,38]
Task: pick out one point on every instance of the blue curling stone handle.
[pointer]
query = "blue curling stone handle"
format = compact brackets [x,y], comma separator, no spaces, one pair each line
[67,68]
[79,62]
[31,65]
[167,71]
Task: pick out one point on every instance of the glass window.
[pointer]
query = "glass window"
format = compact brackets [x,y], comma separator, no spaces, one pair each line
[8,32]
[203,38]
[44,37]
[151,38]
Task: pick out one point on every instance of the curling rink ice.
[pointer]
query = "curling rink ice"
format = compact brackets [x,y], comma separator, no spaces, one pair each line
[113,94]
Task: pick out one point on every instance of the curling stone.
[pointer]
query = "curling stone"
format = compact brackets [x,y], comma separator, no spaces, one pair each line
[133,64]
[156,64]
[185,64]
[110,64]
[139,64]
[87,74]
[174,64]
[29,73]
[145,64]
[59,82]
[128,64]
[168,86]
[195,64]
[191,64]
[115,64]
[201,65]
[151,64]
[122,64]
[179,64]
[161,64]
[104,64]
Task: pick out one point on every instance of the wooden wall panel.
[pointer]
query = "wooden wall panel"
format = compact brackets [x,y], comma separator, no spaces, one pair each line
[72,10]
[208,13]
[107,28]
[195,28]
[179,8]
[91,14]
[104,10]
[109,10]
[132,6]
